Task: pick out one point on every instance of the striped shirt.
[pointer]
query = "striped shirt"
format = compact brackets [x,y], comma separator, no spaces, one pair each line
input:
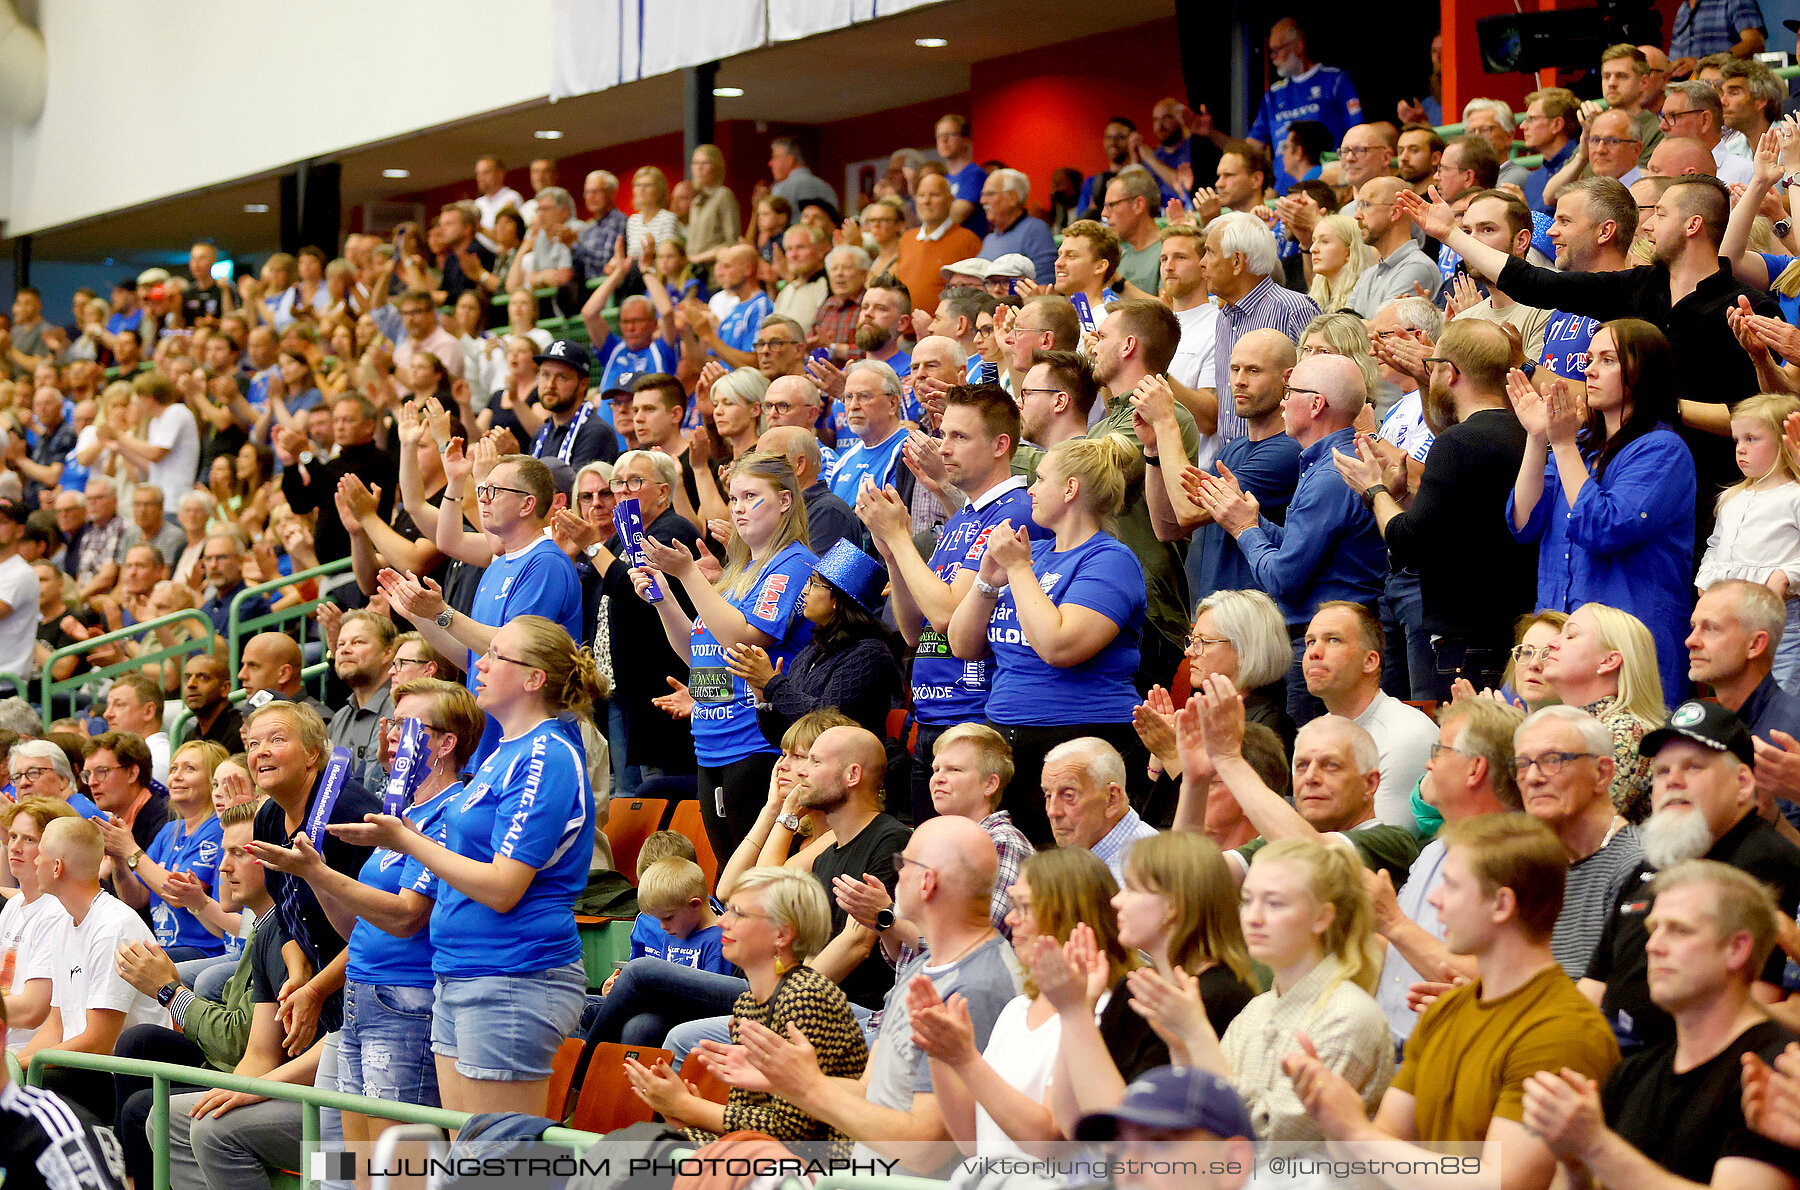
[1267,305]
[44,1141]
[1593,889]
[1112,847]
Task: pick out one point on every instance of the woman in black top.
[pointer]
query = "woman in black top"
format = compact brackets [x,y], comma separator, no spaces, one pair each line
[849,664]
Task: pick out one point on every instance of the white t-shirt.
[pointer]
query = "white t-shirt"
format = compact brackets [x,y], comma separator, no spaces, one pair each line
[159,755]
[1194,361]
[18,631]
[87,973]
[1024,1057]
[175,472]
[28,944]
[723,303]
[1403,737]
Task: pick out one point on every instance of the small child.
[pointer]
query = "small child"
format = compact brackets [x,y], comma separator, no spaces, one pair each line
[676,920]
[1757,534]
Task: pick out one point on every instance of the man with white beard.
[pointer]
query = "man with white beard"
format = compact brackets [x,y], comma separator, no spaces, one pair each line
[1703,805]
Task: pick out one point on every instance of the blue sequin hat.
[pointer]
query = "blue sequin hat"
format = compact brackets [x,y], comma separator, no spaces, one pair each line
[854,573]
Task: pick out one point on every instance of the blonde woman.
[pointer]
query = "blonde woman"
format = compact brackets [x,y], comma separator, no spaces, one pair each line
[755,602]
[1337,258]
[1338,333]
[650,214]
[1307,918]
[1604,661]
[186,849]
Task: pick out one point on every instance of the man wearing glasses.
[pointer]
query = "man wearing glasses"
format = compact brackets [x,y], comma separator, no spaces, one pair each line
[1401,268]
[1550,127]
[1693,111]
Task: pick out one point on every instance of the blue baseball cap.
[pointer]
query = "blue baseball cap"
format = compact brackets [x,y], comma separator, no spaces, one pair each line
[1175,1098]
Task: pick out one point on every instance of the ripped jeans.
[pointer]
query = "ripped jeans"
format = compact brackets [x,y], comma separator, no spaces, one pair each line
[385,1046]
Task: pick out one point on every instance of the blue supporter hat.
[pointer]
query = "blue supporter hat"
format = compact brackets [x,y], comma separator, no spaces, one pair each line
[1174,1097]
[854,573]
[569,352]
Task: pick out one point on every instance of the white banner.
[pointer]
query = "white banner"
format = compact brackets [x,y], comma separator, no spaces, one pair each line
[790,20]
[607,43]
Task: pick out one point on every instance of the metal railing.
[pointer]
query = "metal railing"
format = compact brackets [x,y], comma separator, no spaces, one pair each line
[240,629]
[310,1099]
[206,640]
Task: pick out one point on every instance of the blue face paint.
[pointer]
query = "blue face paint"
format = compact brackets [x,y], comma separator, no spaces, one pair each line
[759,503]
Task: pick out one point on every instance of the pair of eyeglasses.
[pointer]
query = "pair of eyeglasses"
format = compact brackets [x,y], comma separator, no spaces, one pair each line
[494,654]
[1548,763]
[98,774]
[1437,748]
[487,491]
[30,775]
[772,344]
[1611,142]
[733,911]
[1199,644]
[1527,654]
[400,662]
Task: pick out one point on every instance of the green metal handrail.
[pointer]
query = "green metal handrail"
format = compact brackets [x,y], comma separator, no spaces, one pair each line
[238,629]
[208,640]
[310,1099]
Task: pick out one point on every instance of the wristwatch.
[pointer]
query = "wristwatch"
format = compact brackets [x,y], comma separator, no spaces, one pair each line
[1372,491]
[131,861]
[167,992]
[791,821]
[443,618]
[304,457]
[884,920]
[1782,227]
[593,551]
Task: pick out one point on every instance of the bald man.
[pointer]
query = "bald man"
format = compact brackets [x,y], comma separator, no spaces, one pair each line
[1329,547]
[945,881]
[1656,77]
[271,665]
[729,337]
[90,1003]
[828,519]
[1679,155]
[1401,267]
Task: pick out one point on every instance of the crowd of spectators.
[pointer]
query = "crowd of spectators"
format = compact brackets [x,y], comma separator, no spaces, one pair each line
[1288,638]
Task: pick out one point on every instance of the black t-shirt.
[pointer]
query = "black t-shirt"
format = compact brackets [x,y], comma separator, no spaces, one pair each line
[268,970]
[1224,996]
[197,303]
[227,730]
[641,655]
[870,853]
[1686,1122]
[1132,1043]
[49,1143]
[302,917]
[1751,846]
[152,816]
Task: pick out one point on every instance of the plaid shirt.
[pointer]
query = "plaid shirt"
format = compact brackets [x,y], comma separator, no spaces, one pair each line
[835,321]
[1711,26]
[99,545]
[1267,305]
[597,241]
[1112,848]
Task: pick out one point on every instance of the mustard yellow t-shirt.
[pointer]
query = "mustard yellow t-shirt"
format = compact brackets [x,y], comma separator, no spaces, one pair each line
[1467,1061]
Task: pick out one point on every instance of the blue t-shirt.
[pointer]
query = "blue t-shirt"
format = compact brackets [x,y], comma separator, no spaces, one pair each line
[880,462]
[1790,303]
[619,365]
[724,718]
[699,950]
[1323,93]
[528,801]
[376,956]
[947,691]
[178,851]
[1566,339]
[538,580]
[1103,574]
[737,330]
[966,184]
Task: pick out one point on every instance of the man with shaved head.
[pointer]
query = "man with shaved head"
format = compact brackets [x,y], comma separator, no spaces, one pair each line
[1445,533]
[945,883]
[731,337]
[1329,547]
[1679,155]
[271,664]
[828,519]
[1400,264]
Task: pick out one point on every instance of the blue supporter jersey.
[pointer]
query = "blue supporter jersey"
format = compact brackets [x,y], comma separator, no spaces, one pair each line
[859,460]
[538,580]
[1102,574]
[737,330]
[179,851]
[701,950]
[619,365]
[966,184]
[376,956]
[529,801]
[947,691]
[1790,303]
[1323,93]
[724,718]
[1566,339]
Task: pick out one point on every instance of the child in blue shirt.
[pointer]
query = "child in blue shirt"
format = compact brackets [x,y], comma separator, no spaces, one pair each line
[676,920]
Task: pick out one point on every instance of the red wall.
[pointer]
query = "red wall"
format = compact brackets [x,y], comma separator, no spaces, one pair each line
[1037,111]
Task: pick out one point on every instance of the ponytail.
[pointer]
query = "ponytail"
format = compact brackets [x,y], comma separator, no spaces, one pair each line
[572,681]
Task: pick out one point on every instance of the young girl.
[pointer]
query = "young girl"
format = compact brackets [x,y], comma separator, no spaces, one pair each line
[1757,534]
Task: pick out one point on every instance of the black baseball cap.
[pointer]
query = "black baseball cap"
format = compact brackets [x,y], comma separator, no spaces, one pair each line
[569,353]
[14,510]
[1707,724]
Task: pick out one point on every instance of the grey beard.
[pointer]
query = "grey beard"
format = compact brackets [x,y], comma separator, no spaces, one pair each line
[1669,839]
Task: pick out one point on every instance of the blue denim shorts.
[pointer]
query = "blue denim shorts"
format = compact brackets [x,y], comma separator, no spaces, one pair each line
[384,1051]
[506,1028]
